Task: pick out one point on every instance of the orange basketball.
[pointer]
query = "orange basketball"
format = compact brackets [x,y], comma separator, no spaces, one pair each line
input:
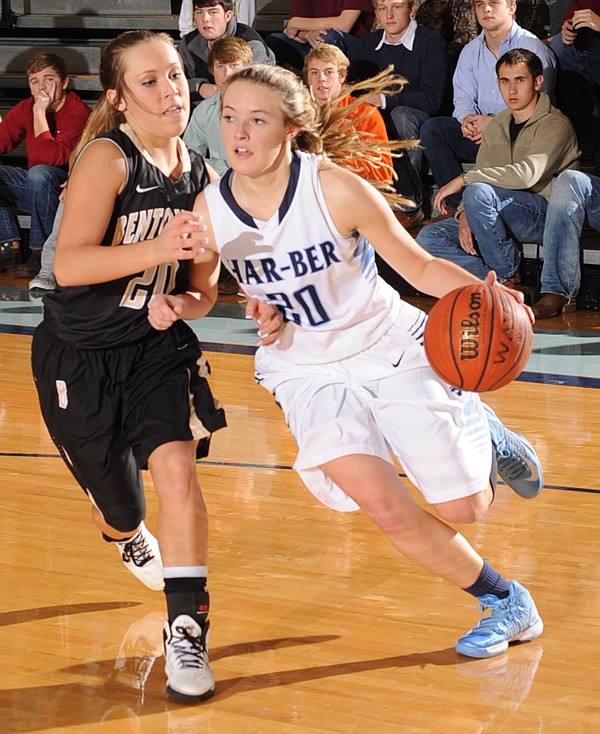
[478,338]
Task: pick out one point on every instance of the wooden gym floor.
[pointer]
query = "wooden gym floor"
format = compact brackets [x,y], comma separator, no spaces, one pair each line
[318,626]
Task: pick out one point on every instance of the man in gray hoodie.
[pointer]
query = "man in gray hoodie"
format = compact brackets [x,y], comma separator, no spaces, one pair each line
[214,20]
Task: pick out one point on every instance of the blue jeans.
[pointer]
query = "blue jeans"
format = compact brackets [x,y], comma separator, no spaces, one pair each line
[446,149]
[50,244]
[499,219]
[584,61]
[407,122]
[574,194]
[291,52]
[441,240]
[35,191]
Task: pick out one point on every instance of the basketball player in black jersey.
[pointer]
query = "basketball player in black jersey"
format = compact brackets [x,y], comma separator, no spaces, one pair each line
[121,379]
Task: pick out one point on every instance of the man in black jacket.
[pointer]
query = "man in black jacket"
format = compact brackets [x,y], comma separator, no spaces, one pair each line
[419,55]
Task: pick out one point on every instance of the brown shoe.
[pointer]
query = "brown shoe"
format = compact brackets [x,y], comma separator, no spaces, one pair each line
[553,304]
[514,282]
[9,256]
[409,220]
[30,268]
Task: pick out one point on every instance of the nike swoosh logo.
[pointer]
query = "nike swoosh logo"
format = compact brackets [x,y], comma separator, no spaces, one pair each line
[143,189]
[395,364]
[533,469]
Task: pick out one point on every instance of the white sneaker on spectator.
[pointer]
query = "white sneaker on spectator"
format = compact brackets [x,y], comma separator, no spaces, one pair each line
[42,282]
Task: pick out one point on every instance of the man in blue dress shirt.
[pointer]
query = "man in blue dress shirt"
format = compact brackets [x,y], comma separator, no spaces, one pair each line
[451,141]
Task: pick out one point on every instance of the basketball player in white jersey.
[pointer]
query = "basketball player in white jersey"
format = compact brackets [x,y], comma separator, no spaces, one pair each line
[349,370]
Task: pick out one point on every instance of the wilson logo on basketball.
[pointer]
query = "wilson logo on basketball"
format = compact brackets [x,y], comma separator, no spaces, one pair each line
[469,340]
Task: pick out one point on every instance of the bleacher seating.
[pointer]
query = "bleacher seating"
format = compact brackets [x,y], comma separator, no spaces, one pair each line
[78,30]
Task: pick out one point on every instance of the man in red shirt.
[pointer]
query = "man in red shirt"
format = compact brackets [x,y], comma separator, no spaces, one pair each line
[50,122]
[338,22]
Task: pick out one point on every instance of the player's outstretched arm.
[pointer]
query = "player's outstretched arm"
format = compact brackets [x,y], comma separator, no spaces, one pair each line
[356,205]
[94,184]
[165,309]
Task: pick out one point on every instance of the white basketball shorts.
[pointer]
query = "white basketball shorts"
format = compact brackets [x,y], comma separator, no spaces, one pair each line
[384,401]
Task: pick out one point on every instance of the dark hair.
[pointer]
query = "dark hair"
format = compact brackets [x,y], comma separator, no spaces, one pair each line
[229,49]
[516,56]
[225,4]
[42,60]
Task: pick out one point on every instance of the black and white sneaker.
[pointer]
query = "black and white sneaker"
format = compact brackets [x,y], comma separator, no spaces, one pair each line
[189,677]
[141,556]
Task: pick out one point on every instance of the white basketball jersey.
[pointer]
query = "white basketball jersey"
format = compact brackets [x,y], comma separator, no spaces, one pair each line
[326,284]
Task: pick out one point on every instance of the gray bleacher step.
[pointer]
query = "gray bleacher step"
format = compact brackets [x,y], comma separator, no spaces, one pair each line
[77,82]
[271,15]
[84,7]
[590,251]
[117,23]
[81,57]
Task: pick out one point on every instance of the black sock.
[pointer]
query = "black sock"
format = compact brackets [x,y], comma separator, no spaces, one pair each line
[187,595]
[489,582]
[108,539]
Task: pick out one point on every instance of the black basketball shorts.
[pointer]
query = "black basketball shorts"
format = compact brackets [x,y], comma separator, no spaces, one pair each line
[108,409]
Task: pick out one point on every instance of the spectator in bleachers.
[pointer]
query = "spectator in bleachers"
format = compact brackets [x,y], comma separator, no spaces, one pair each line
[50,122]
[338,22]
[577,48]
[419,55]
[574,196]
[244,11]
[505,196]
[325,72]
[44,281]
[456,23]
[214,19]
[203,133]
[451,141]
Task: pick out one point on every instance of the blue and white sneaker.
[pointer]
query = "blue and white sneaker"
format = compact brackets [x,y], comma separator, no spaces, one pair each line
[518,464]
[514,619]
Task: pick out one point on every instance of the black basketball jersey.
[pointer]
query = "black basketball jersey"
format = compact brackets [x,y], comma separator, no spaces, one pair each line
[116,312]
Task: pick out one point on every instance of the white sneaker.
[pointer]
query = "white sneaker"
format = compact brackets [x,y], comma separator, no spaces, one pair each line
[189,677]
[42,282]
[141,556]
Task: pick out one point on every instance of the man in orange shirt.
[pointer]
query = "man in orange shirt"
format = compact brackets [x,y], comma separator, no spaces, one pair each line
[325,71]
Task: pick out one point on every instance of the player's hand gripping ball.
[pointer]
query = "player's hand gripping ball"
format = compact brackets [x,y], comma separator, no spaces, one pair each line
[478,338]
